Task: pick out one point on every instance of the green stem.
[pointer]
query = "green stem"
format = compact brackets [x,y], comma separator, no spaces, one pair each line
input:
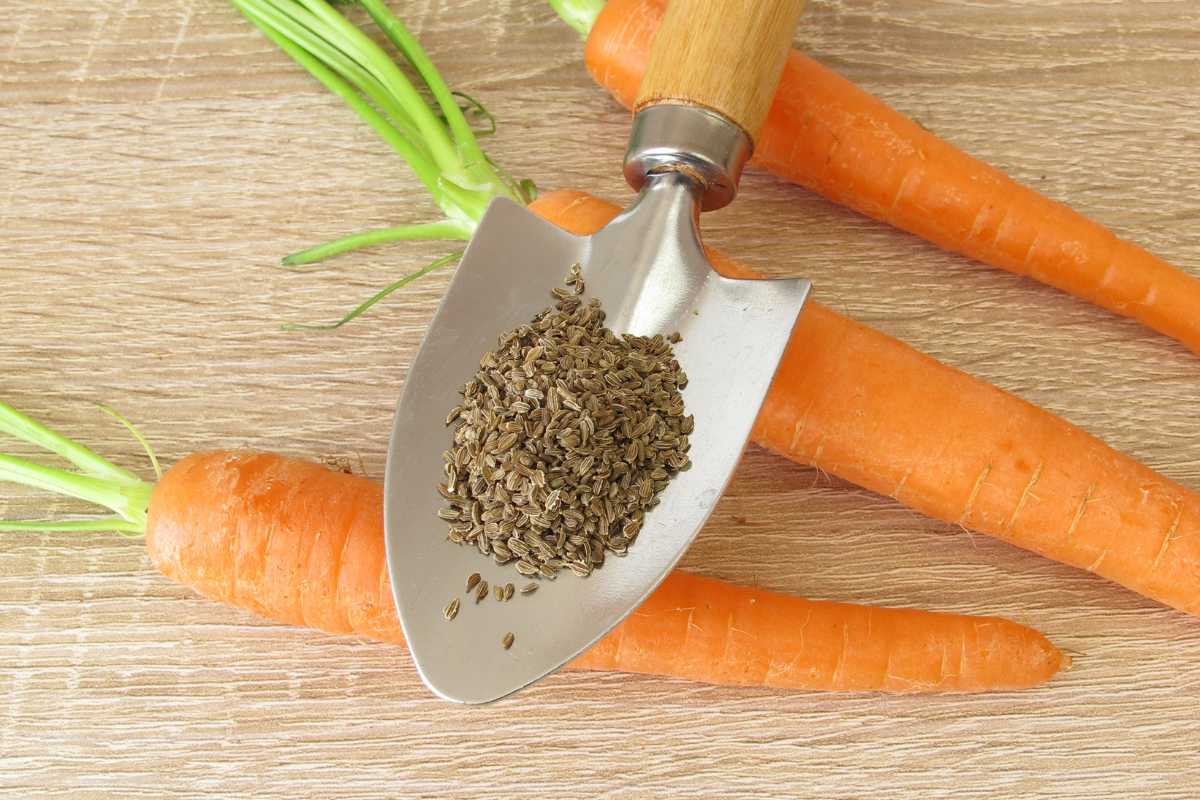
[443,150]
[129,426]
[118,490]
[130,501]
[302,28]
[374,59]
[475,107]
[425,170]
[431,158]
[429,231]
[408,45]
[75,525]
[579,14]
[375,298]
[16,424]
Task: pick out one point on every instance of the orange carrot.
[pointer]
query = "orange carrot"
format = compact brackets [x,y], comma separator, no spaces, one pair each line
[829,136]
[858,404]
[301,544]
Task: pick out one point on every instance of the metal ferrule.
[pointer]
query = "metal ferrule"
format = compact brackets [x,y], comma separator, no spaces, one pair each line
[691,140]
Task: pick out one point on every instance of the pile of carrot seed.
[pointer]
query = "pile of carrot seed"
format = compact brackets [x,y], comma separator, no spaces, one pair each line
[564,439]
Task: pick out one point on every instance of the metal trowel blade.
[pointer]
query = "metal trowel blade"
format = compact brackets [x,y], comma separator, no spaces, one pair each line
[734,333]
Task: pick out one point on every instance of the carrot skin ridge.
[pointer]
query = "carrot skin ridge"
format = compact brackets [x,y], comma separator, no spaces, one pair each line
[301,544]
[831,137]
[855,403]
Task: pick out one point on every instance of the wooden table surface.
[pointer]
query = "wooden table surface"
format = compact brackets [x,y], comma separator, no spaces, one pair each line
[158,156]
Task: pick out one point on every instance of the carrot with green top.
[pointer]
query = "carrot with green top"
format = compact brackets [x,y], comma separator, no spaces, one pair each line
[874,411]
[301,544]
[831,137]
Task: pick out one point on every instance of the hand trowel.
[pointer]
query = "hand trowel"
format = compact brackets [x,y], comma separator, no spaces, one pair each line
[713,71]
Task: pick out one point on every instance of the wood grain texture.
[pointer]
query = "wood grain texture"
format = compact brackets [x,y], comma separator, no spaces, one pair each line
[159,156]
[724,55]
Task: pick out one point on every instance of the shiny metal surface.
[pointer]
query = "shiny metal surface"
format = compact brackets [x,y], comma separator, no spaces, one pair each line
[648,269]
[702,142]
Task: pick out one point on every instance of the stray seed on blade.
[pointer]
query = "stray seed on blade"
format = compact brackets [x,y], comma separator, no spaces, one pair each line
[451,609]
[473,580]
[529,588]
[481,592]
[508,640]
[509,589]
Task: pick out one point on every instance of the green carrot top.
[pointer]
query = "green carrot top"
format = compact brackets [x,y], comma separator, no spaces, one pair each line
[425,122]
[97,480]
[579,14]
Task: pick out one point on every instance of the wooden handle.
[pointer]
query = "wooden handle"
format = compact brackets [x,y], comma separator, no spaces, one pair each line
[724,55]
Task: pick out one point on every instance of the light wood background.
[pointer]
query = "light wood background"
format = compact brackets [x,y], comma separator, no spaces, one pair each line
[158,156]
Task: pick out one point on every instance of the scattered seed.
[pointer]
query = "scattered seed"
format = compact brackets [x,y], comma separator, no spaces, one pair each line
[529,588]
[481,592]
[508,640]
[473,580]
[509,589]
[498,592]
[451,609]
